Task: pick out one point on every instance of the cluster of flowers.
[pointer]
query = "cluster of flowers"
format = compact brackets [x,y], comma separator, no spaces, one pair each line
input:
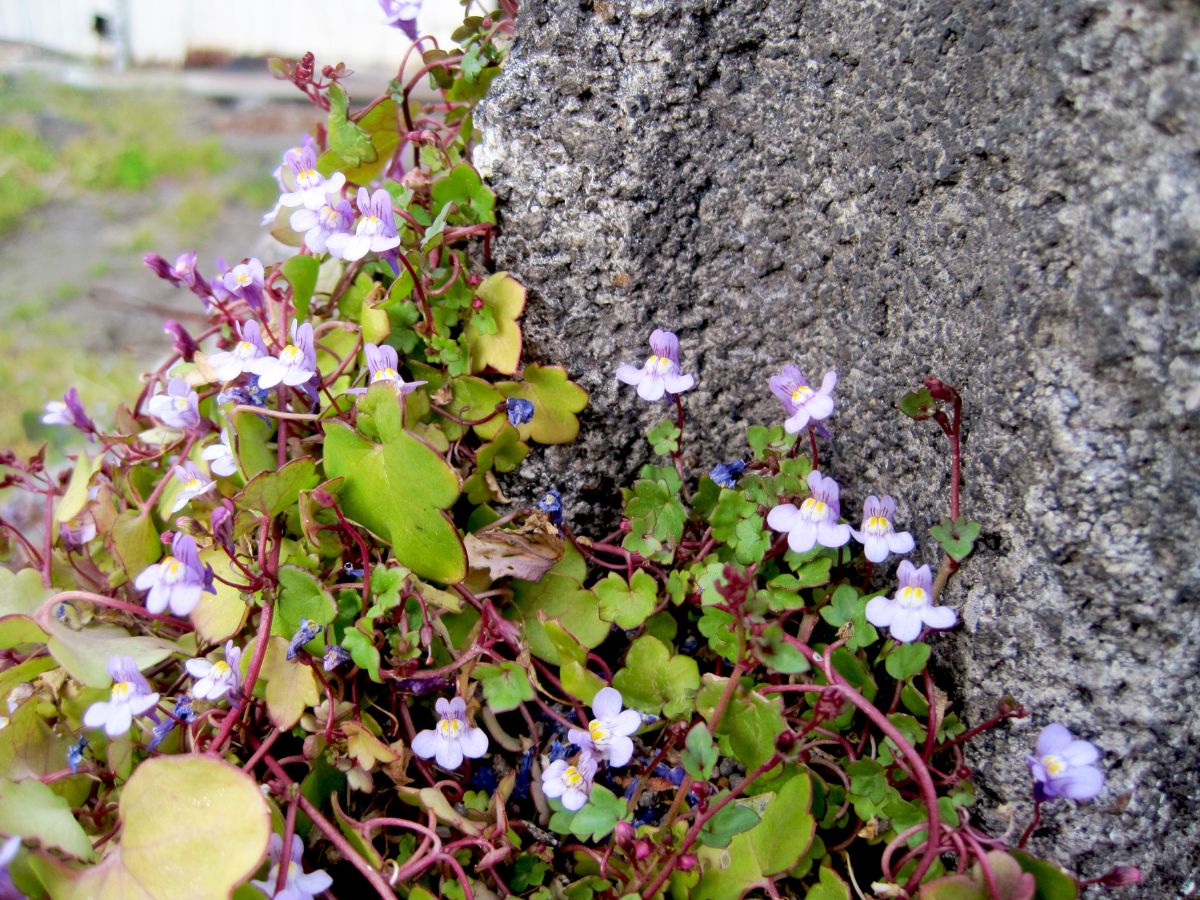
[818,519]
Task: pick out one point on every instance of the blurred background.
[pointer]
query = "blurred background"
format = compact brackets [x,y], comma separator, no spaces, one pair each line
[130,126]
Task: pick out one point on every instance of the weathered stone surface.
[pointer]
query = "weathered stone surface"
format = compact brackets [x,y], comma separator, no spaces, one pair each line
[1006,195]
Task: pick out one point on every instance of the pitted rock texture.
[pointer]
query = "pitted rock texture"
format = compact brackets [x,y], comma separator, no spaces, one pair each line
[1006,195]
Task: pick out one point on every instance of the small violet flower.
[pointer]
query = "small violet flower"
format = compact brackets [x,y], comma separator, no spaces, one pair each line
[179,407]
[219,456]
[305,633]
[245,281]
[912,607]
[296,364]
[660,375]
[312,188]
[299,885]
[183,713]
[384,364]
[335,656]
[376,230]
[194,483]
[816,521]
[452,738]
[75,754]
[519,411]
[178,580]
[229,364]
[573,784]
[1064,766]
[182,273]
[551,504]
[802,403]
[877,536]
[68,411]
[319,225]
[608,734]
[216,679]
[182,341]
[131,696]
[78,531]
[727,474]
[402,14]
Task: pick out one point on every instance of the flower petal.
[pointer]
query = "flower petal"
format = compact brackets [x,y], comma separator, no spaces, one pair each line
[425,743]
[1081,783]
[1080,753]
[1053,740]
[449,754]
[607,703]
[880,611]
[803,537]
[906,625]
[783,517]
[628,722]
[875,548]
[831,535]
[474,742]
[619,751]
[900,542]
[939,617]
[119,719]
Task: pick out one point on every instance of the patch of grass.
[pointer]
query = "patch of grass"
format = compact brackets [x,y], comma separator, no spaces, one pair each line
[194,216]
[25,159]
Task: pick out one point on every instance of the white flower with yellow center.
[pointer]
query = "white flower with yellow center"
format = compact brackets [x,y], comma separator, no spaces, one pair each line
[816,519]
[193,482]
[453,738]
[178,581]
[877,535]
[570,783]
[298,885]
[912,608]
[216,679]
[661,375]
[804,406]
[1065,766]
[131,696]
[296,364]
[609,733]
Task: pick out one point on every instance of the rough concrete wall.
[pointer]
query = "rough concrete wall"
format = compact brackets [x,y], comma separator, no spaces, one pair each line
[1005,194]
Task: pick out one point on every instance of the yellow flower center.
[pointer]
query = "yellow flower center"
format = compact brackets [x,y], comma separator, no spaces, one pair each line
[571,777]
[599,732]
[243,279]
[328,215]
[193,485]
[172,567]
[180,403]
[309,178]
[912,597]
[388,374]
[121,691]
[449,729]
[814,508]
[660,364]
[220,669]
[878,524]
[290,354]
[245,348]
[1055,765]
[801,393]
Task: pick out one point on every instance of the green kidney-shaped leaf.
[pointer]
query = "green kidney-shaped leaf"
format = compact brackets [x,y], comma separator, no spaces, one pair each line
[654,680]
[347,139]
[398,489]
[556,400]
[627,604]
[504,297]
[272,493]
[33,811]
[560,596]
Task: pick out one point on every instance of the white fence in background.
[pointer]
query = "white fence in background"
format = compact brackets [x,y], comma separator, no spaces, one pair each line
[166,31]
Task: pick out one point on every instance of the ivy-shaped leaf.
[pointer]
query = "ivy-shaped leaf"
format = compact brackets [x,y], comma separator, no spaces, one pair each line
[654,680]
[556,401]
[463,187]
[956,537]
[291,686]
[398,489]
[350,142]
[749,726]
[627,604]
[272,493]
[559,596]
[505,686]
[504,297]
[301,273]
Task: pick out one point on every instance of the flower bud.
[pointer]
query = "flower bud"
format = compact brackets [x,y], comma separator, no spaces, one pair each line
[641,849]
[624,834]
[687,862]
[1120,876]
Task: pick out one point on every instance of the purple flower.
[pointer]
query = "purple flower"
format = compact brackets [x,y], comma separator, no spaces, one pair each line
[402,14]
[185,345]
[245,281]
[571,783]
[75,754]
[803,405]
[383,364]
[229,364]
[816,521]
[519,411]
[178,580]
[295,365]
[179,407]
[183,713]
[312,187]
[452,738]
[216,679]
[877,536]
[660,375]
[78,531]
[222,524]
[305,633]
[1063,766]
[727,474]
[131,696]
[68,411]
[376,230]
[321,224]
[912,607]
[299,886]
[334,657]
[551,504]
[194,483]
[608,734]
[183,272]
[219,456]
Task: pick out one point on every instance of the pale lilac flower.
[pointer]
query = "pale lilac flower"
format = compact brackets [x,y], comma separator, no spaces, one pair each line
[375,232]
[68,411]
[78,531]
[402,14]
[179,407]
[216,679]
[383,364]
[193,483]
[608,733]
[661,374]
[178,580]
[131,696]
[878,536]
[816,521]
[299,886]
[296,363]
[912,607]
[320,225]
[229,364]
[219,456]
[571,783]
[452,738]
[283,173]
[802,403]
[312,187]
[222,524]
[1063,766]
[182,273]
[245,281]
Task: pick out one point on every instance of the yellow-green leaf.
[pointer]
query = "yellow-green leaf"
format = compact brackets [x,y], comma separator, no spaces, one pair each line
[33,811]
[219,616]
[556,400]
[291,687]
[504,297]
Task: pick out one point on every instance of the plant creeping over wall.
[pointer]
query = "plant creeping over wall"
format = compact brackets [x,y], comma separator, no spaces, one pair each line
[278,631]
